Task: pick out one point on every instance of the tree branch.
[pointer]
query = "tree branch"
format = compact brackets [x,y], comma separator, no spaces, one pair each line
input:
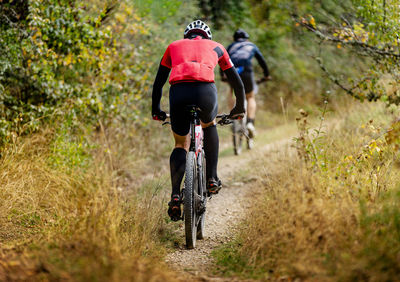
[355,42]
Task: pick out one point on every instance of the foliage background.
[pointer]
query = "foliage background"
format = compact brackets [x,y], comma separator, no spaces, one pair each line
[95,60]
[75,85]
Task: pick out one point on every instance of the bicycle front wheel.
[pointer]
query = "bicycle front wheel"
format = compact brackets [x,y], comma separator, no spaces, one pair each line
[191,184]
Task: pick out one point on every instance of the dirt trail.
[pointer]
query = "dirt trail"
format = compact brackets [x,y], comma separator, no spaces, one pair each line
[224,212]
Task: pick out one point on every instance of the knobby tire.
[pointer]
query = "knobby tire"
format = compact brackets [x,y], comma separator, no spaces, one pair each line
[189,201]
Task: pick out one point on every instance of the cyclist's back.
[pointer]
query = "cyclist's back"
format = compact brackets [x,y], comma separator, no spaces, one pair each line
[241,52]
[193,60]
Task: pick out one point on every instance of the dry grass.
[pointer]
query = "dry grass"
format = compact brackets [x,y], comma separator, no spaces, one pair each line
[63,222]
[340,221]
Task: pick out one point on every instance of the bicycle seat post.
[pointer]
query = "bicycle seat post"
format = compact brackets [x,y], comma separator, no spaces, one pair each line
[194,121]
[193,110]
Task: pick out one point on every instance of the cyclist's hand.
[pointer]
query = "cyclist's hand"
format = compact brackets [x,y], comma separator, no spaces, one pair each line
[265,78]
[159,115]
[237,113]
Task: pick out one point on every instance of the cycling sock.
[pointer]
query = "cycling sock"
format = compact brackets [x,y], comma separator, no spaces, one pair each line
[252,120]
[177,163]
[211,148]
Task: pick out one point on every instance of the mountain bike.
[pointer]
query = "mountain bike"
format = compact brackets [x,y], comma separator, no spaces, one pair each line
[240,131]
[194,193]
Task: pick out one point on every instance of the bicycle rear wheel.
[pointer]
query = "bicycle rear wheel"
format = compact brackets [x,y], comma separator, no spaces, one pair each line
[189,202]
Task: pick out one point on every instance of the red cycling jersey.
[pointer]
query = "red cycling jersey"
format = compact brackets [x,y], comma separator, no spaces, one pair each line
[194,60]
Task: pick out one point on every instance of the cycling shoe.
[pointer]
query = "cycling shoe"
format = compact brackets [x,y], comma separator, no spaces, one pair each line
[250,143]
[174,209]
[213,186]
[251,129]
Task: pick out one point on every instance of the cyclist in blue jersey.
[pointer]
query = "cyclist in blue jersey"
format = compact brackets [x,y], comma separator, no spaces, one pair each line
[241,52]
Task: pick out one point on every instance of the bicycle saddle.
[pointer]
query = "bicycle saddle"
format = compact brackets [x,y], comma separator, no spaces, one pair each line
[192,108]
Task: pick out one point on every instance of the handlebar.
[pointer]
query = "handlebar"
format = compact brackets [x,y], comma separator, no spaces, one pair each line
[224,119]
[227,119]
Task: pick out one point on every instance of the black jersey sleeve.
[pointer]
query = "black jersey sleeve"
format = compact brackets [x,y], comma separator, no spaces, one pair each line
[161,78]
[261,61]
[236,83]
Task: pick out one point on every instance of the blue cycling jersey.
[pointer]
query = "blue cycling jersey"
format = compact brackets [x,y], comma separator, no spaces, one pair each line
[241,52]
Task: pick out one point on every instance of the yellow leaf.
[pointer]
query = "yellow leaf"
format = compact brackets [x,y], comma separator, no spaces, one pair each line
[312,22]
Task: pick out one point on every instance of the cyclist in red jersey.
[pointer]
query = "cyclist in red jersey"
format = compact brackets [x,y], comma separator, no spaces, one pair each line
[190,64]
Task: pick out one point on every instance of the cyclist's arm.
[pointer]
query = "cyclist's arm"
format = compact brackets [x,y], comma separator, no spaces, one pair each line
[262,62]
[233,78]
[161,78]
[221,72]
[236,83]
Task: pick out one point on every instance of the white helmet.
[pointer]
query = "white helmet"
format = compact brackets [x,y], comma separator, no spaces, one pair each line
[198,27]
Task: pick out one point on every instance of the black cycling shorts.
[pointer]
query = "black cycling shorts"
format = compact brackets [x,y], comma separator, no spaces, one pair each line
[201,94]
[249,82]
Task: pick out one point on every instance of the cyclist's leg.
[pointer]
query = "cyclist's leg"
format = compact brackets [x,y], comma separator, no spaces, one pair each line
[251,114]
[211,149]
[208,103]
[180,124]
[177,162]
[250,88]
[251,106]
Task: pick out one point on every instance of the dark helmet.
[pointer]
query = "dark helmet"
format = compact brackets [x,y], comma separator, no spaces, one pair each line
[198,27]
[240,33]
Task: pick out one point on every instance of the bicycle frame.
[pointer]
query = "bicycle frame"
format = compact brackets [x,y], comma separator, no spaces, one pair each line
[196,133]
[196,143]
